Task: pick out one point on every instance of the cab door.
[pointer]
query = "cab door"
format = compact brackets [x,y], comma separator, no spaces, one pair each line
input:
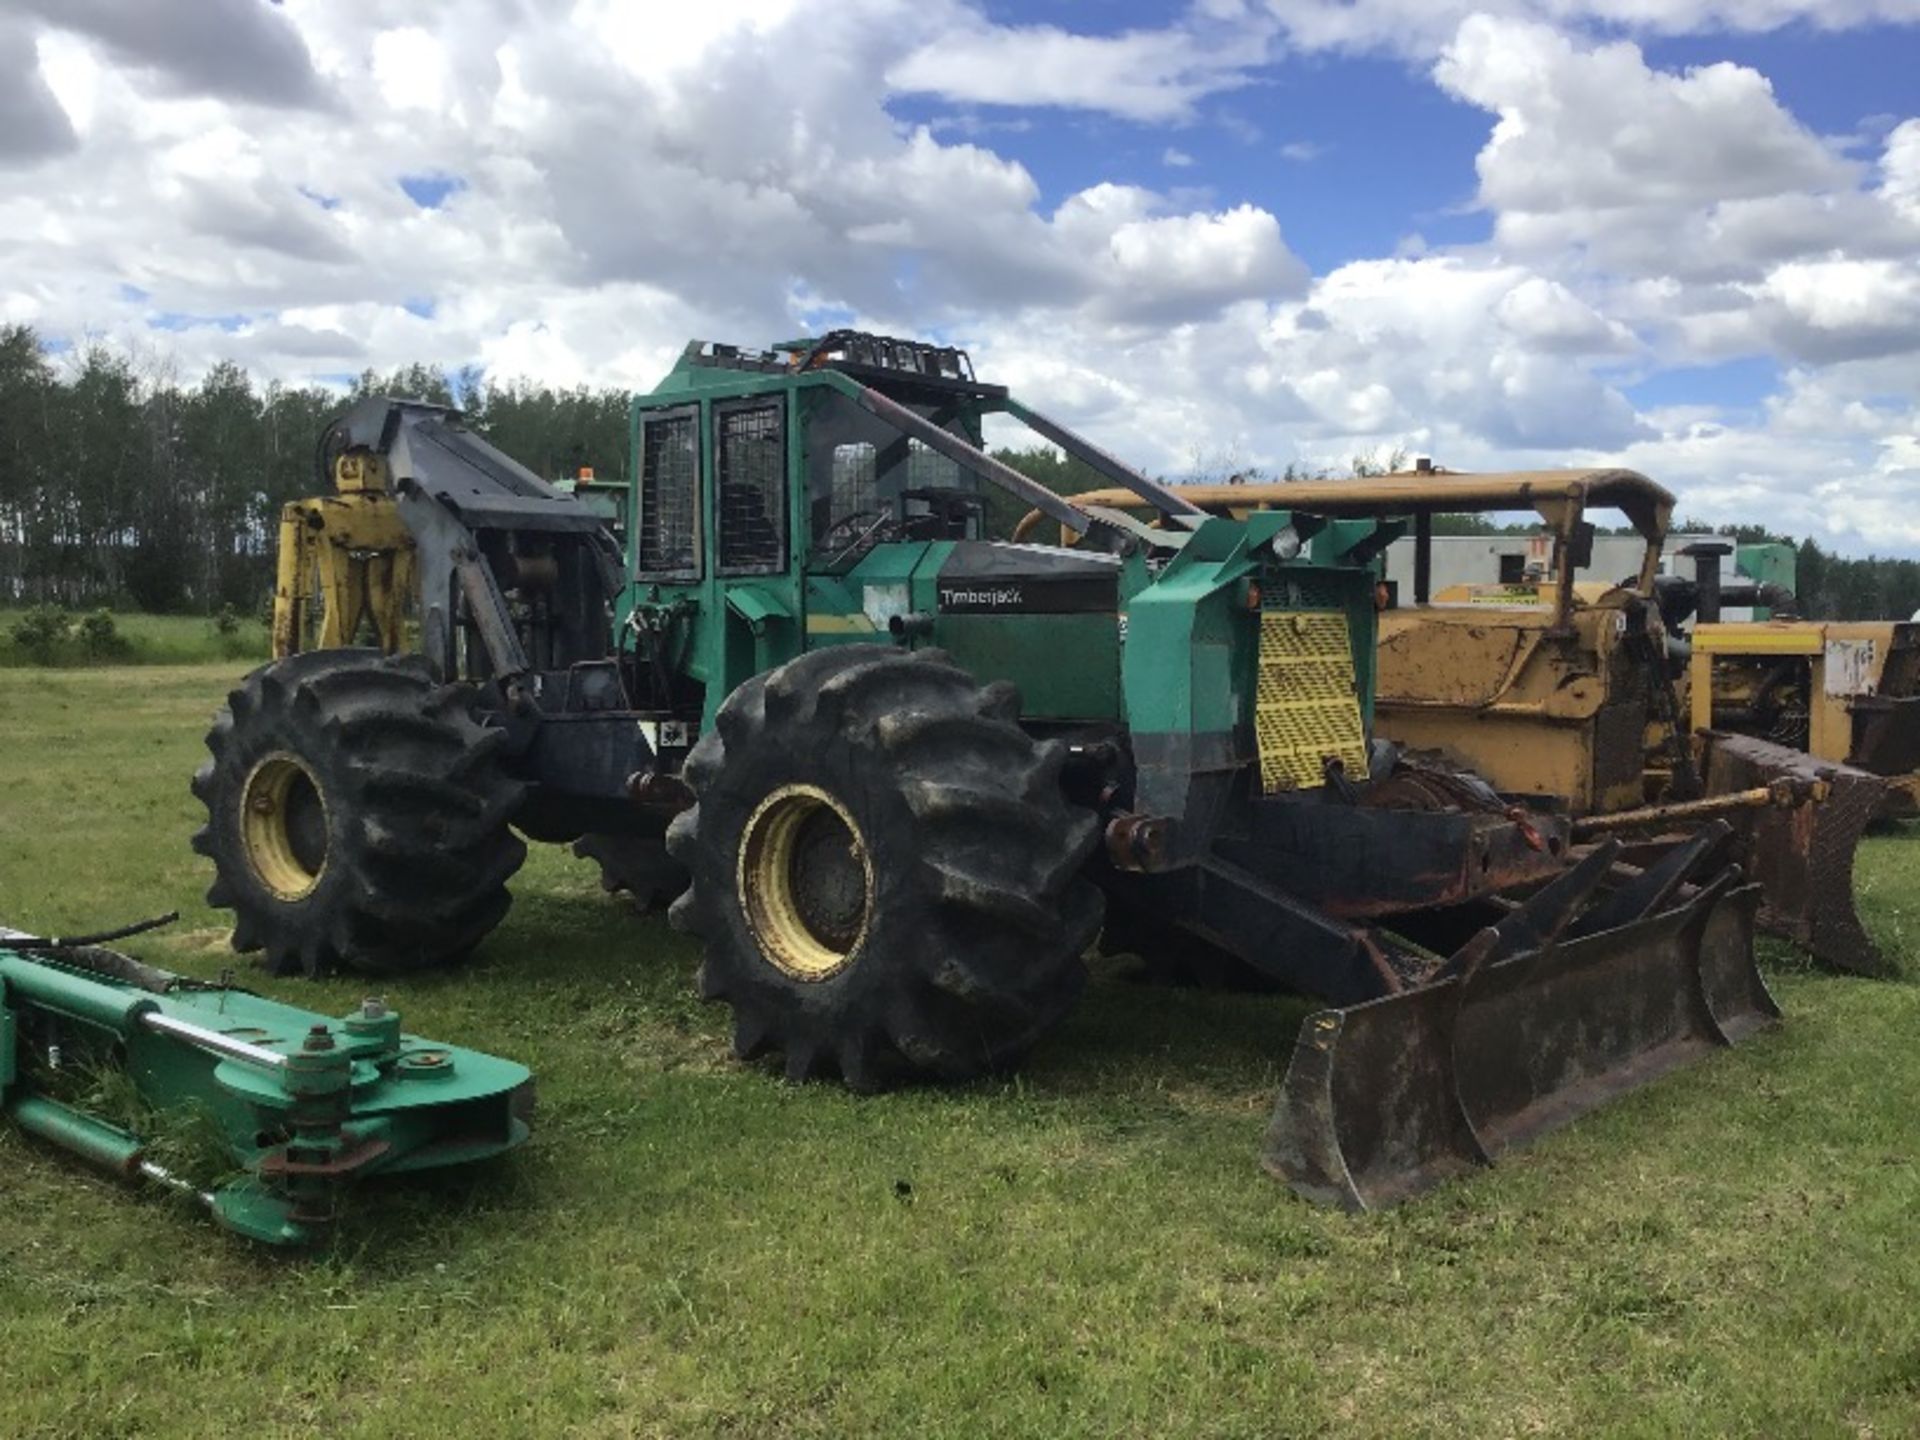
[751,462]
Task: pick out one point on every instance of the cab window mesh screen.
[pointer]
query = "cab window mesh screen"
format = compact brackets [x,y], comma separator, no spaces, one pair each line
[669,496]
[752,464]
[930,470]
[853,487]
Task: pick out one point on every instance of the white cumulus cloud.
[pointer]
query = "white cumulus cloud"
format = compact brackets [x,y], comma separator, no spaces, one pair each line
[573,192]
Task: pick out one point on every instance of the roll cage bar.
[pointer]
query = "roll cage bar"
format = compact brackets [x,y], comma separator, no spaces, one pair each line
[1560,497]
[877,372]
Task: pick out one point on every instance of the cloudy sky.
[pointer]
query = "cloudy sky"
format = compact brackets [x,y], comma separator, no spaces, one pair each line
[1682,235]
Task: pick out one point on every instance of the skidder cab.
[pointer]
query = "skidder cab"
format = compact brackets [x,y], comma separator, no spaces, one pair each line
[908,773]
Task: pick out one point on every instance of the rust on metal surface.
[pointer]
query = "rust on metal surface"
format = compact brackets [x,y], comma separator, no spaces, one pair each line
[1783,791]
[1802,855]
[1886,734]
[1533,1024]
[654,790]
[1501,853]
[287,1162]
[1138,843]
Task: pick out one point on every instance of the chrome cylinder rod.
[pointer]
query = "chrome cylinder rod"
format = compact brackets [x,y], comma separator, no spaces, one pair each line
[214,1040]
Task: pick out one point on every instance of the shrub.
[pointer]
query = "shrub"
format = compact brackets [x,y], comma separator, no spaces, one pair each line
[41,632]
[227,622]
[100,638]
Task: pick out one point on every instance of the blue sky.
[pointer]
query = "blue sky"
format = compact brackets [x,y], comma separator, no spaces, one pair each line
[1390,155]
[1214,233]
[1393,154]
[1362,155]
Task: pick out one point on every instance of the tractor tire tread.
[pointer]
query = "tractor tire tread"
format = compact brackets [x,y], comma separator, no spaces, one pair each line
[982,913]
[419,849]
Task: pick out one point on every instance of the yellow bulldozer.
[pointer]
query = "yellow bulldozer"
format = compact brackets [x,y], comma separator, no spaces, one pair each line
[1563,688]
[1842,691]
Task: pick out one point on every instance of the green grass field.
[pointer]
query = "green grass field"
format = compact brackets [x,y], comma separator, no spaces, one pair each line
[691,1247]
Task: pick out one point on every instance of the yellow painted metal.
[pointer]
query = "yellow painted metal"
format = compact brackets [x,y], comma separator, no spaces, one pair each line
[1557,495]
[353,556]
[768,851]
[839,624]
[1782,793]
[1777,637]
[274,787]
[360,472]
[1306,712]
[1531,592]
[1731,658]
[1535,708]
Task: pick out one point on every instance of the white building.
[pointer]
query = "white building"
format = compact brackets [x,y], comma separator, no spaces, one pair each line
[1495,559]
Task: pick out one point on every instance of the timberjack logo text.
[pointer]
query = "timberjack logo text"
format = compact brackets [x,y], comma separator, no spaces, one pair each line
[1001,598]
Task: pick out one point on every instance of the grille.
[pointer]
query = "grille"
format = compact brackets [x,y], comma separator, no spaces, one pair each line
[1307,588]
[753,469]
[1305,711]
[669,496]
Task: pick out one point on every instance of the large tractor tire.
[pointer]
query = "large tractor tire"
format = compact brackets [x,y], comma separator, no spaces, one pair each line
[885,873]
[637,866]
[357,816]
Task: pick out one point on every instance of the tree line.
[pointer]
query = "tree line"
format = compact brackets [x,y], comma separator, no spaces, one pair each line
[121,485]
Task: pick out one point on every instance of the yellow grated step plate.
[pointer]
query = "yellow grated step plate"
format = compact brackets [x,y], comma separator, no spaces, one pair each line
[1306,711]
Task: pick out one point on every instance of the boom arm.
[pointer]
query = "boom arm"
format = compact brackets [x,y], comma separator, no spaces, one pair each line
[525,573]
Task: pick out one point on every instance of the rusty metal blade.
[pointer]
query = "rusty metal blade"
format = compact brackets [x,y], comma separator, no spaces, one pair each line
[1802,856]
[1386,1099]
[1886,734]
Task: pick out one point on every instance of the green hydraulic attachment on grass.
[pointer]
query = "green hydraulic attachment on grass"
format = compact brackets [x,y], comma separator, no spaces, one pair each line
[275,1110]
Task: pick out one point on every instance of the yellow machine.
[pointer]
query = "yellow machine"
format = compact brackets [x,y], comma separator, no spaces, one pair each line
[1564,691]
[1551,688]
[1548,688]
[346,564]
[1842,691]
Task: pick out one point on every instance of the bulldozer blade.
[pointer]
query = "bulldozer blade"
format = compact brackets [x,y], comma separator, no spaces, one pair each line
[1386,1099]
[1802,855]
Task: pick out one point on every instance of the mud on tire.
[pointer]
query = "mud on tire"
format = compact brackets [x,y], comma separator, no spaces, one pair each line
[357,816]
[942,912]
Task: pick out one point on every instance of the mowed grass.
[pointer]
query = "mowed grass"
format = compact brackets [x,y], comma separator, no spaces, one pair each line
[692,1247]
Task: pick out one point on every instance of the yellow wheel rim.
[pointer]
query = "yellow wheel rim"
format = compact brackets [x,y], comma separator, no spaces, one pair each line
[283,826]
[806,882]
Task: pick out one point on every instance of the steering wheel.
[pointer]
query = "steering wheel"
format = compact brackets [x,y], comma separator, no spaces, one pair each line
[850,528]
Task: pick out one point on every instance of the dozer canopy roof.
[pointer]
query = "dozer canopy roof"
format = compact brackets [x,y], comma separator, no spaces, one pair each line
[1558,496]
